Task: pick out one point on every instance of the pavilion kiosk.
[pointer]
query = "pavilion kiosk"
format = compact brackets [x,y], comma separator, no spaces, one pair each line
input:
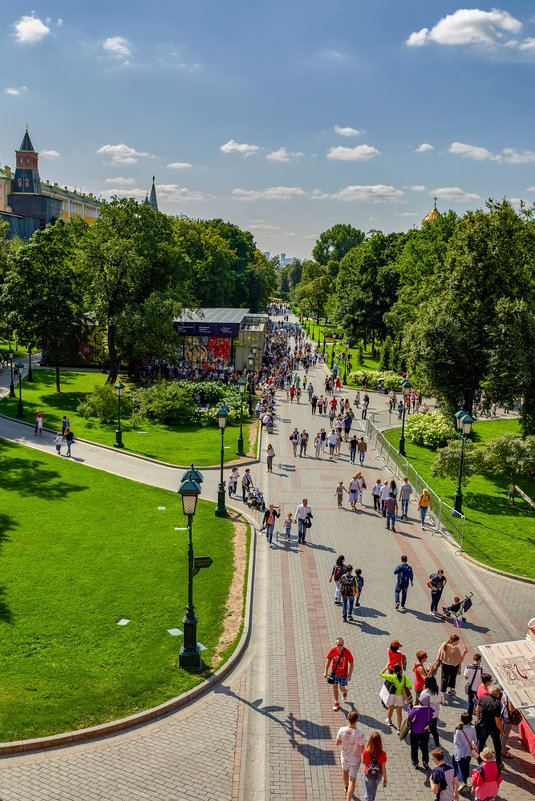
[221,336]
[513,664]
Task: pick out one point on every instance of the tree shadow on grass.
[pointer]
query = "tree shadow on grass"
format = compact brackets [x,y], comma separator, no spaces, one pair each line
[6,524]
[29,477]
[496,507]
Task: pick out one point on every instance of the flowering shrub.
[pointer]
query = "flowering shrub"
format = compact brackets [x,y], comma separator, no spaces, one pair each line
[432,430]
[391,380]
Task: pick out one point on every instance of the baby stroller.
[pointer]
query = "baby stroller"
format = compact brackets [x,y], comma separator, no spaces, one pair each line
[255,500]
[458,609]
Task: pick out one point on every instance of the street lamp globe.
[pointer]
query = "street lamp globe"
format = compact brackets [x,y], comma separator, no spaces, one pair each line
[333,334]
[189,491]
[406,387]
[459,419]
[20,367]
[466,424]
[119,389]
[222,415]
[347,343]
[192,474]
[251,359]
[242,385]
[10,355]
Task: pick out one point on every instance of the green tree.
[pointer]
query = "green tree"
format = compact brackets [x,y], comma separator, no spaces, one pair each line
[41,294]
[243,247]
[511,457]
[333,244]
[209,258]
[262,281]
[447,460]
[314,287]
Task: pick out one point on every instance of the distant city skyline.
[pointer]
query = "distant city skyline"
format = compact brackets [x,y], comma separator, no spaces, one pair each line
[283,118]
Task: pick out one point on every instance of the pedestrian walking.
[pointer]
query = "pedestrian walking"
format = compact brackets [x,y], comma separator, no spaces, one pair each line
[339,493]
[348,590]
[246,483]
[314,403]
[490,723]
[391,507]
[450,659]
[432,693]
[362,448]
[353,492]
[352,741]
[364,407]
[360,585]
[374,760]
[270,454]
[332,439]
[487,778]
[59,442]
[424,503]
[464,744]
[405,576]
[303,515]
[395,656]
[303,442]
[405,496]
[233,482]
[437,582]
[376,492]
[294,439]
[270,516]
[342,662]
[336,574]
[38,423]
[473,675]
[443,781]
[385,492]
[361,486]
[347,426]
[353,443]
[69,439]
[65,423]
[421,672]
[394,693]
[420,717]
[288,526]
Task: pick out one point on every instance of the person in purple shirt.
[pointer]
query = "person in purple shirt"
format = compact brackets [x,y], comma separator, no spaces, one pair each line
[420,717]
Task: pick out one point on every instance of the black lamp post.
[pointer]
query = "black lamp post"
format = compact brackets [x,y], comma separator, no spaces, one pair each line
[242,384]
[119,389]
[251,359]
[20,409]
[29,379]
[464,422]
[406,387]
[333,335]
[222,416]
[11,385]
[324,337]
[319,333]
[346,343]
[190,653]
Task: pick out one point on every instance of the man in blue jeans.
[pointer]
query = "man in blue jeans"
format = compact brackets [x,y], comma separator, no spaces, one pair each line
[391,506]
[405,496]
[405,575]
[302,512]
[348,589]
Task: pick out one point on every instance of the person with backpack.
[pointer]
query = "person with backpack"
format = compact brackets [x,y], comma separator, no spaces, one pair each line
[472,674]
[360,584]
[336,574]
[374,760]
[404,576]
[443,781]
[352,741]
[486,779]
[437,582]
[394,693]
[348,590]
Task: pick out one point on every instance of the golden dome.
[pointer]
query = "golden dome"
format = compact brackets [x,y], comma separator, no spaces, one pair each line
[433,214]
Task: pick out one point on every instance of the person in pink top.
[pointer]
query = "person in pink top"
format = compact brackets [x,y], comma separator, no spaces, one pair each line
[487,778]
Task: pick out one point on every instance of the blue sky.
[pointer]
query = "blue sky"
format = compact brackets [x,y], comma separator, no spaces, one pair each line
[283,117]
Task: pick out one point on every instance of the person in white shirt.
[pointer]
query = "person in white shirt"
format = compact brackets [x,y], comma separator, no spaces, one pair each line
[385,490]
[233,482]
[405,496]
[332,439]
[300,517]
[352,741]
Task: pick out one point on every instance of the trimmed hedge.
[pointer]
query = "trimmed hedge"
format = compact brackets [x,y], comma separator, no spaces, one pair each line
[391,380]
[432,429]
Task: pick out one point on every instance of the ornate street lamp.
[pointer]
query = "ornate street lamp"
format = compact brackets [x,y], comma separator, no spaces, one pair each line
[190,653]
[333,335]
[251,359]
[20,410]
[346,343]
[29,379]
[222,417]
[119,389]
[242,384]
[10,355]
[319,333]
[324,337]
[406,387]
[463,422]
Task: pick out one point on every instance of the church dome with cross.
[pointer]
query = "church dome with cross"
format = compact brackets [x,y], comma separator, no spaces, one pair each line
[433,215]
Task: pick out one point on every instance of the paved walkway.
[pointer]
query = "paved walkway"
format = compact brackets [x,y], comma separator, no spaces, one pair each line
[267,730]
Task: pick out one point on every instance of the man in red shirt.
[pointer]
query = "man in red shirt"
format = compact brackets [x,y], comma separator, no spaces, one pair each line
[342,669]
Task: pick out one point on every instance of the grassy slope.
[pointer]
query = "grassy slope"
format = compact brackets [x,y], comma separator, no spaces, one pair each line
[79,550]
[369,363]
[496,533]
[174,444]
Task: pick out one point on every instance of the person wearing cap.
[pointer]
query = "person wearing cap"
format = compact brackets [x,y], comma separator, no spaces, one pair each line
[486,779]
[489,713]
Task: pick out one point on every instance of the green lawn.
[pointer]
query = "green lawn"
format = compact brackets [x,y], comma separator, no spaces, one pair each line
[175,444]
[19,350]
[496,533]
[369,362]
[79,550]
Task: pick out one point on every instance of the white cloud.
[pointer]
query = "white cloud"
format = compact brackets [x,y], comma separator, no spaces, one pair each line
[319,194]
[358,153]
[416,188]
[530,189]
[235,147]
[121,181]
[282,154]
[470,151]
[14,90]
[512,156]
[122,154]
[50,154]
[370,194]
[271,193]
[346,131]
[455,195]
[167,193]
[527,45]
[30,30]
[425,147]
[179,165]
[118,46]
[469,26]
[262,227]
[408,214]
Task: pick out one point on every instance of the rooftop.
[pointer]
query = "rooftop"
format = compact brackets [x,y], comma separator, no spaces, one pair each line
[214,316]
[63,191]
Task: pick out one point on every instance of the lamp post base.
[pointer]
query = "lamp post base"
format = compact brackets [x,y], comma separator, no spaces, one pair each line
[190,658]
[240,451]
[20,410]
[457,503]
[12,390]
[221,509]
[401,449]
[118,438]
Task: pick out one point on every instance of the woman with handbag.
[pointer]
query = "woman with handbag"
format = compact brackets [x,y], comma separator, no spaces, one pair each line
[431,695]
[394,693]
[421,672]
[450,658]
[464,748]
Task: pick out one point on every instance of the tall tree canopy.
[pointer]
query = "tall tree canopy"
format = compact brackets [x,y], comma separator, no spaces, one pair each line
[333,244]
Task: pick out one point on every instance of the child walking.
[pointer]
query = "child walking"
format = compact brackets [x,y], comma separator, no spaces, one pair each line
[288,525]
[339,493]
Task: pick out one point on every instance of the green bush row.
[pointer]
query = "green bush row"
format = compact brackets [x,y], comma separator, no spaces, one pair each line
[391,380]
[433,430]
